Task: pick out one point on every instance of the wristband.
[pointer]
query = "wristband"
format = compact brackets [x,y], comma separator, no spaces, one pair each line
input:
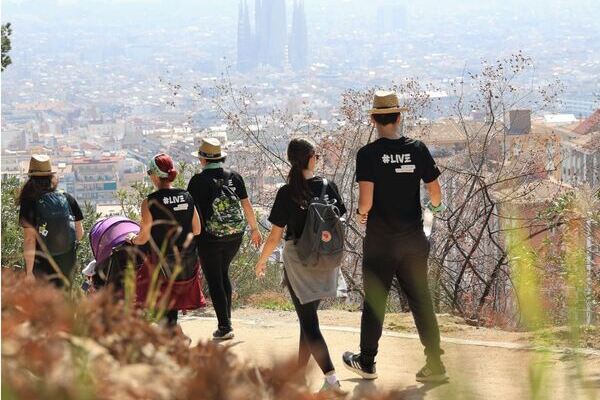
[359,213]
[436,209]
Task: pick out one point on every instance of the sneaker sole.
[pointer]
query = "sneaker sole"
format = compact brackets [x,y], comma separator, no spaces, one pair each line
[433,378]
[228,336]
[363,374]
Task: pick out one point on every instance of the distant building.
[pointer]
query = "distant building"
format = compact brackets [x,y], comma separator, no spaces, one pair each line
[537,151]
[519,122]
[246,48]
[581,160]
[590,124]
[391,17]
[271,32]
[96,179]
[268,44]
[580,107]
[298,48]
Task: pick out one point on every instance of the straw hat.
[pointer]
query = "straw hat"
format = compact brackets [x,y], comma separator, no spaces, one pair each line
[40,165]
[210,149]
[386,102]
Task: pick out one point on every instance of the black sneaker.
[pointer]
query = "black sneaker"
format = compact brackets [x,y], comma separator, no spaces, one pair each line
[221,334]
[433,372]
[352,362]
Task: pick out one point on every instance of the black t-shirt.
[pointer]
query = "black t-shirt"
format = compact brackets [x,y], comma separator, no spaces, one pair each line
[203,189]
[396,167]
[172,215]
[28,213]
[287,213]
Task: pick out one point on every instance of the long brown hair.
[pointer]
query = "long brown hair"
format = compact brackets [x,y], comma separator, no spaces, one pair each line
[299,152]
[36,187]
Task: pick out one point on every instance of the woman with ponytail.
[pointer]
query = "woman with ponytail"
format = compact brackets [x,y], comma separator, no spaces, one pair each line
[307,286]
[169,226]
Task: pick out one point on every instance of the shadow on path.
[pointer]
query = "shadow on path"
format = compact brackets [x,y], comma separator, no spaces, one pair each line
[366,387]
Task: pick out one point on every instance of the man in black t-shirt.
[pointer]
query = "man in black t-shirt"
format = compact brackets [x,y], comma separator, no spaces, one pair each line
[217,252]
[389,172]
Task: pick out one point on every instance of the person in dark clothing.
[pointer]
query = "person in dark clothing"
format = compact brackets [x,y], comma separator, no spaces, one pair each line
[225,210]
[51,222]
[307,286]
[169,225]
[389,172]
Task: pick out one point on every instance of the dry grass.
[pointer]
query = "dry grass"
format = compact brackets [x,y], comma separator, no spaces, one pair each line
[100,349]
[269,300]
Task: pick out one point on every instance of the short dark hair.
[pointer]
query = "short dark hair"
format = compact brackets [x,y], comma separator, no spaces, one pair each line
[386,119]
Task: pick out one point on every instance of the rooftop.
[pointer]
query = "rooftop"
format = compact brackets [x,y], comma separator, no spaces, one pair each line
[589,125]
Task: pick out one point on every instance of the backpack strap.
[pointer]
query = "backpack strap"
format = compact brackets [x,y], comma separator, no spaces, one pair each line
[324,190]
[225,187]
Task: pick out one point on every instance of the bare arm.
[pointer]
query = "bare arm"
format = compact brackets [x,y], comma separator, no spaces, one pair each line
[365,199]
[145,226]
[29,235]
[249,213]
[251,218]
[270,245]
[196,225]
[78,230]
[435,192]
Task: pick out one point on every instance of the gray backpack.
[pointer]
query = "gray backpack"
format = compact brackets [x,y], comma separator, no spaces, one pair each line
[321,244]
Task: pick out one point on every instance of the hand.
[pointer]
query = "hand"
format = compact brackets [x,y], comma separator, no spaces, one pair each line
[260,269]
[29,277]
[256,238]
[362,218]
[130,238]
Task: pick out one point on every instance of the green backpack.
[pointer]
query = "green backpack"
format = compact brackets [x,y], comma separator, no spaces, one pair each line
[56,224]
[228,217]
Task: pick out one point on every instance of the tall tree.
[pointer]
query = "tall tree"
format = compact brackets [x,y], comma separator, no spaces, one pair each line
[6,47]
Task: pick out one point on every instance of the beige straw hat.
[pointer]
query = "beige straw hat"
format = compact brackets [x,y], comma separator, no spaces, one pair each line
[40,165]
[210,149]
[386,102]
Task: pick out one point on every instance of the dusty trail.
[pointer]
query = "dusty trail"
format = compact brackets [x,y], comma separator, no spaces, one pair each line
[479,369]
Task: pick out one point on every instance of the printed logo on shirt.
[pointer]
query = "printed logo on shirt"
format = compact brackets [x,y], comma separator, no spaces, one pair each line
[181,207]
[231,185]
[326,236]
[403,159]
[396,158]
[174,199]
[406,169]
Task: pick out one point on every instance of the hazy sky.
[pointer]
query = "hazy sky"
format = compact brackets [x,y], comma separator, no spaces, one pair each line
[50,27]
[169,12]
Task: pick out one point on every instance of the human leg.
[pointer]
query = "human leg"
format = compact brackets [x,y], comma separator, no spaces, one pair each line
[311,334]
[211,260]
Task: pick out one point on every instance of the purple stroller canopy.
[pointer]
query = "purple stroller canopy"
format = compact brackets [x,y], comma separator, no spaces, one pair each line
[108,233]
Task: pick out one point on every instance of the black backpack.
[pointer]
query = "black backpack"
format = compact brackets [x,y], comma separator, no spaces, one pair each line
[56,223]
[321,244]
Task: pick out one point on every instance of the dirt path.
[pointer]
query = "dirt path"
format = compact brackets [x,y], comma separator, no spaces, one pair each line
[479,369]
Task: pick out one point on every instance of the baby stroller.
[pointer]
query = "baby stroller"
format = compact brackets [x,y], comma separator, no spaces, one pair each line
[111,251]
